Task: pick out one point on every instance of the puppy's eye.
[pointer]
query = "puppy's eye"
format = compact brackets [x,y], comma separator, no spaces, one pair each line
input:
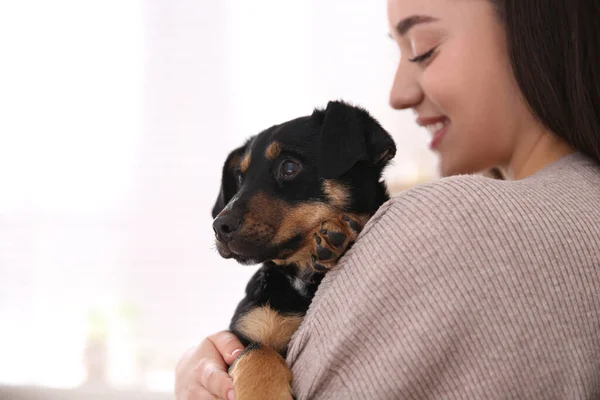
[289,169]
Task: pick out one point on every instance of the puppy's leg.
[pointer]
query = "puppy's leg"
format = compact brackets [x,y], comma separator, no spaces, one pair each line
[333,239]
[260,373]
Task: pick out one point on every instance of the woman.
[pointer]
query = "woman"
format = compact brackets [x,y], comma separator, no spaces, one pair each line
[469,287]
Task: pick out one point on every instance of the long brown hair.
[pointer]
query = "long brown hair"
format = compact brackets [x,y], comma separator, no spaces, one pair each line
[554,46]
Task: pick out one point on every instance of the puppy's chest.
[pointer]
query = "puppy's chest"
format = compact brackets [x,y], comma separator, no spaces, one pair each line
[285,288]
[299,285]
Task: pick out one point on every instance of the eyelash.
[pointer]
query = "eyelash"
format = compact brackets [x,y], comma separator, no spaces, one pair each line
[423,57]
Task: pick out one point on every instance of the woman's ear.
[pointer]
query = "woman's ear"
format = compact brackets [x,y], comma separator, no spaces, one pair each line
[350,135]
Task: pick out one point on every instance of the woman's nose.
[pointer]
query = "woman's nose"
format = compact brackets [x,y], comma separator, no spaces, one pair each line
[406,91]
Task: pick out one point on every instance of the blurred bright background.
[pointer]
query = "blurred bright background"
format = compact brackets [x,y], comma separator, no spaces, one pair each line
[115,119]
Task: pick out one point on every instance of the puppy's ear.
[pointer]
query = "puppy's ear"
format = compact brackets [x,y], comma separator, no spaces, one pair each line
[350,135]
[228,181]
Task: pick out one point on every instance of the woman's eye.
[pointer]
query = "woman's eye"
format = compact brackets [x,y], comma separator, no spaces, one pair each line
[423,57]
[289,169]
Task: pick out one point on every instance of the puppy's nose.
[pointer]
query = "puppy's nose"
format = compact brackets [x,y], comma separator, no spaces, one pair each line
[225,226]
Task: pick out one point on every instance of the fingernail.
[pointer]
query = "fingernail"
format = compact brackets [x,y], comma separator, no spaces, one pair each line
[230,395]
[236,352]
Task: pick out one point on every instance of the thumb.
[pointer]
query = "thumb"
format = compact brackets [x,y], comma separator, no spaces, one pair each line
[214,379]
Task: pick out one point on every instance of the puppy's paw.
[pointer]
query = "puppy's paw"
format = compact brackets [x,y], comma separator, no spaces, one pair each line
[333,239]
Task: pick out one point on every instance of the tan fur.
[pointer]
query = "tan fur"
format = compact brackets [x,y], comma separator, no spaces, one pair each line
[274,222]
[302,219]
[286,220]
[265,209]
[266,326]
[273,151]
[362,219]
[302,256]
[261,374]
[342,226]
[337,193]
[233,162]
[245,163]
[262,218]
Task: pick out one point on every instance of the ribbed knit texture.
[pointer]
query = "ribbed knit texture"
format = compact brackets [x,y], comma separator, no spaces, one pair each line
[464,288]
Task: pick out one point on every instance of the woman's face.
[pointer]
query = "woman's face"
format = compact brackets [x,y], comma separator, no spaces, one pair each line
[454,72]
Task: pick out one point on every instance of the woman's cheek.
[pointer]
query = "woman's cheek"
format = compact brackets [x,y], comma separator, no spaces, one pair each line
[438,87]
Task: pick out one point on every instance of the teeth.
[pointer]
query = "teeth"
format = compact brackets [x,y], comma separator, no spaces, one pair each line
[433,128]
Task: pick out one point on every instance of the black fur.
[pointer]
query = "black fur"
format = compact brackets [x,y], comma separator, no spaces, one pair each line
[271,285]
[341,143]
[348,136]
[228,183]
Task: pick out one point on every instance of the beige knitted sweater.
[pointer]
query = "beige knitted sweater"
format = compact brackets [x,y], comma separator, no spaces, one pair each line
[465,288]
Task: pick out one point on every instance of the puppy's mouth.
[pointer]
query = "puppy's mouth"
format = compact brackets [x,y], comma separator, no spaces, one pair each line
[242,252]
[248,253]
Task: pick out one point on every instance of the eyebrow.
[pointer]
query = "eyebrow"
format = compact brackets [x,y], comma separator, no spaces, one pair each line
[407,23]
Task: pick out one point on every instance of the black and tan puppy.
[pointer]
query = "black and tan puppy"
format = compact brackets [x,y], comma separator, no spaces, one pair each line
[294,198]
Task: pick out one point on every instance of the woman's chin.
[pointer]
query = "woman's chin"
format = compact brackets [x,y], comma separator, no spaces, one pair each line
[447,169]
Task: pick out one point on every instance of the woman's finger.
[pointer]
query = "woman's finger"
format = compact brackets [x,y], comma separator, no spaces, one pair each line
[227,344]
[214,379]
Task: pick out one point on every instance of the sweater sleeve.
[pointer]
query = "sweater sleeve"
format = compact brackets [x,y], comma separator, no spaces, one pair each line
[453,297]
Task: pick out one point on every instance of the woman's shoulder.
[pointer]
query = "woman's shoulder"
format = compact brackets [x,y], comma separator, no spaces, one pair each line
[453,194]
[473,201]
[457,200]
[456,191]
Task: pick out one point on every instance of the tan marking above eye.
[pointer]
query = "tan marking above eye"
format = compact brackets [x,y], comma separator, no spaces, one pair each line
[337,193]
[233,162]
[273,151]
[245,163]
[266,326]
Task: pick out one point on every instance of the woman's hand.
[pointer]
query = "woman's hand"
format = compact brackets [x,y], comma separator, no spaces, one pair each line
[201,373]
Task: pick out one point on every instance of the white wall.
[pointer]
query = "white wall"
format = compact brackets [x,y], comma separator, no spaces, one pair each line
[116,117]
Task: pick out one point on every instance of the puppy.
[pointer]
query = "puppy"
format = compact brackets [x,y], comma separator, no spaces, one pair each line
[294,198]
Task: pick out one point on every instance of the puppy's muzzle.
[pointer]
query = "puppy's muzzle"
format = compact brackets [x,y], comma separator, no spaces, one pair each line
[225,226]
